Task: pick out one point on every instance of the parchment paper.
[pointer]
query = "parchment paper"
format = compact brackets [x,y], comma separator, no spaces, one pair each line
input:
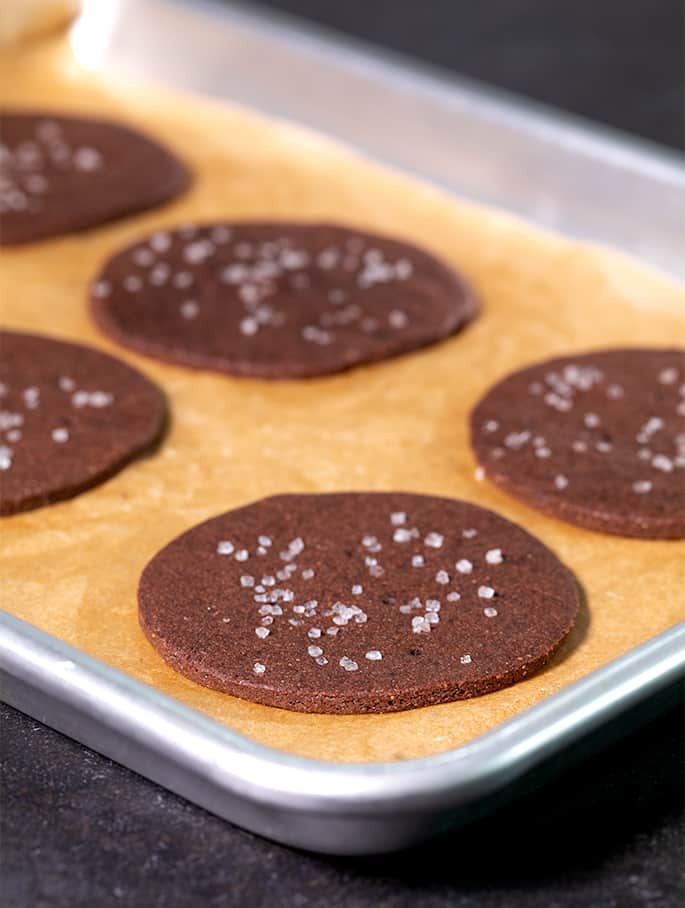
[72,569]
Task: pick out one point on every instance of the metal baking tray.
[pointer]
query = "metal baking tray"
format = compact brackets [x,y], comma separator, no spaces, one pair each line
[550,169]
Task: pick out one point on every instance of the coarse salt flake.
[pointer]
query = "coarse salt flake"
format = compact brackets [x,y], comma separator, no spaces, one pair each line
[434,540]
[402,534]
[87,159]
[5,457]
[668,376]
[249,326]
[348,664]
[132,283]
[663,463]
[641,486]
[189,309]
[101,289]
[160,242]
[420,625]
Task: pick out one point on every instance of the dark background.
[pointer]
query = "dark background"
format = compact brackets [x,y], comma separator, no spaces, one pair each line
[78,830]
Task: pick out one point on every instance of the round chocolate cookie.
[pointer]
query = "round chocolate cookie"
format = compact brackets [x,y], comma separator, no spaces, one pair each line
[597,439]
[63,174]
[277,300]
[356,602]
[70,417]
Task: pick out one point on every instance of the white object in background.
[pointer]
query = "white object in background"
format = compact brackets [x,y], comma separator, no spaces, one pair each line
[90,37]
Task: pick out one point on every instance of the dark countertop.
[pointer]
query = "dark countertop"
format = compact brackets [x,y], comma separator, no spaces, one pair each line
[78,830]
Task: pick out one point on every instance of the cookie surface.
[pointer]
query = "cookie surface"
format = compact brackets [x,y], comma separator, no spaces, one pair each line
[596,439]
[65,174]
[356,602]
[70,417]
[278,300]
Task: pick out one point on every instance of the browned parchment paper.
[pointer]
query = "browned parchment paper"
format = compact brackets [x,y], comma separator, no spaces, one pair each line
[72,569]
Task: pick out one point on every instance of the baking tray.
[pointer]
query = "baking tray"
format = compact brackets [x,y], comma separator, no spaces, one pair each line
[480,143]
[593,187]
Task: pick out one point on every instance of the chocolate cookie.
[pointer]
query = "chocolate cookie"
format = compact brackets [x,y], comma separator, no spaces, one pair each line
[63,174]
[356,602]
[277,300]
[597,439]
[70,417]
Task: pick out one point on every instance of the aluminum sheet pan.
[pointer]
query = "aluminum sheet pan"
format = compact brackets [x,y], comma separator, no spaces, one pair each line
[328,807]
[594,185]
[483,144]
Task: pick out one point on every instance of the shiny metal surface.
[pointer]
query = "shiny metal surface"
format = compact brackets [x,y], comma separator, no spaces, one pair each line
[327,807]
[476,142]
[556,170]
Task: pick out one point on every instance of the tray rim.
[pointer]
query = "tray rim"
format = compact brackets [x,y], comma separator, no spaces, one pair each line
[69,690]
[33,656]
[419,75]
[641,173]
